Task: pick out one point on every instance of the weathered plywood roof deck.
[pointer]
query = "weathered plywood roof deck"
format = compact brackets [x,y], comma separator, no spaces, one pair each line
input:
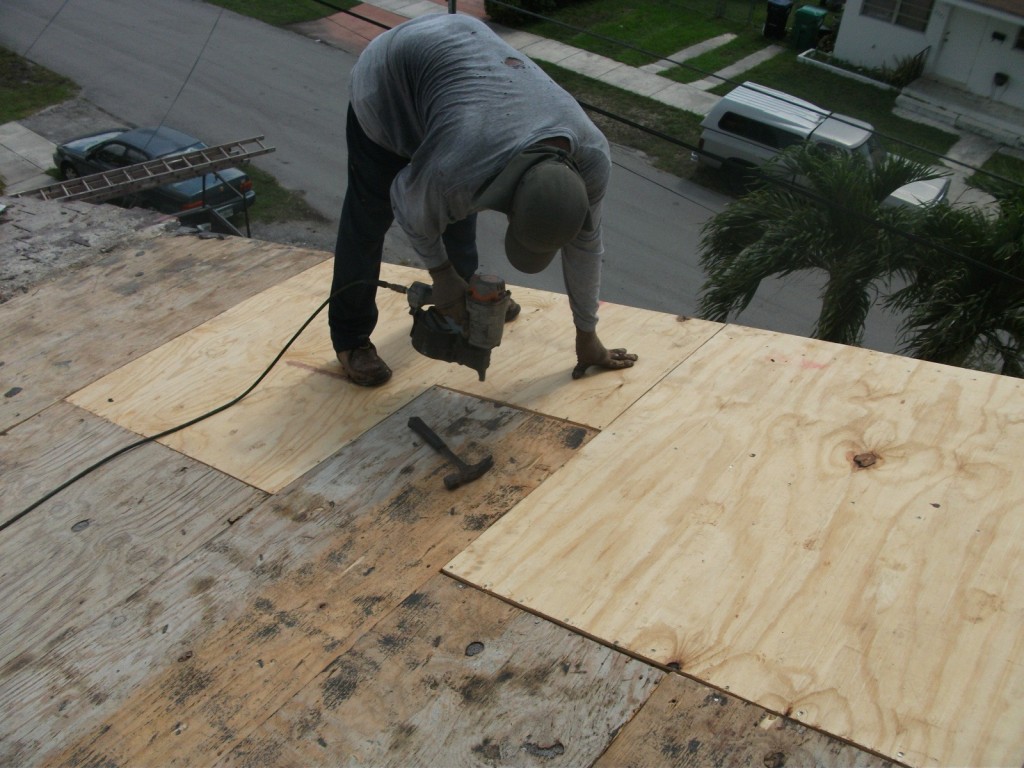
[751,549]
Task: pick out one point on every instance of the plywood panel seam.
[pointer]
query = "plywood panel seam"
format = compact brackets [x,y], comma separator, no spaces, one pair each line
[656,383]
[612,645]
[523,408]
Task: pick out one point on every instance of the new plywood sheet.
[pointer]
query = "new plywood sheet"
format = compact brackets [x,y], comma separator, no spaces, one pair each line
[305,409]
[67,333]
[832,533]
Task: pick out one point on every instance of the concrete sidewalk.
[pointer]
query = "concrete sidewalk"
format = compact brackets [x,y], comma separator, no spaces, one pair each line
[24,158]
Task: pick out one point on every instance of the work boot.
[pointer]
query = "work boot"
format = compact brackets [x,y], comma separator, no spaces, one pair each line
[363,366]
[512,310]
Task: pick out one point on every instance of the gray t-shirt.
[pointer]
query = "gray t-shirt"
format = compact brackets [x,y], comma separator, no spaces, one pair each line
[448,93]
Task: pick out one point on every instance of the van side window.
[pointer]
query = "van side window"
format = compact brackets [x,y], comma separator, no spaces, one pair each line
[757,131]
[785,139]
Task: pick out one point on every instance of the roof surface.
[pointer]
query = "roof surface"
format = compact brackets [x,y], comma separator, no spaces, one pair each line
[268,586]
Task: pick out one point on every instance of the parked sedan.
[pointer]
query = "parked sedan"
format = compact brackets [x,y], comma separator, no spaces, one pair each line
[119,147]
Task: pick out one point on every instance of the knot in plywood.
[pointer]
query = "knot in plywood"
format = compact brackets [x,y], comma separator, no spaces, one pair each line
[865,460]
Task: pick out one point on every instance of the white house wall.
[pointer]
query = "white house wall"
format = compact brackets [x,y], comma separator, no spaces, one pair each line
[996,54]
[869,42]
[966,48]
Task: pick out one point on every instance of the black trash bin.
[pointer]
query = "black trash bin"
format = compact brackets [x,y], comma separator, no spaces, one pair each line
[776,18]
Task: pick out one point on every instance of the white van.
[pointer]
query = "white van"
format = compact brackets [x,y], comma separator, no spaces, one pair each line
[752,123]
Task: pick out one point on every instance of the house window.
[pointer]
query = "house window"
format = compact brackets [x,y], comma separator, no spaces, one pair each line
[913,14]
[1019,45]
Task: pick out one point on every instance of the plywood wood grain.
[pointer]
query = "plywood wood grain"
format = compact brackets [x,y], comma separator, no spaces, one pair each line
[50,448]
[305,409]
[184,669]
[832,533]
[103,539]
[69,332]
[451,678]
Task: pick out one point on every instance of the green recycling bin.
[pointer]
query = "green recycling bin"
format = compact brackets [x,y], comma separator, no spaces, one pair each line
[807,21]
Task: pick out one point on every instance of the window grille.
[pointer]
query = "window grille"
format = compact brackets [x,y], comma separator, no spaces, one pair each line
[912,14]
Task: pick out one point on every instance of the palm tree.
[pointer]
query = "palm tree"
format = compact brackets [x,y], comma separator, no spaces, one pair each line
[964,303]
[833,218]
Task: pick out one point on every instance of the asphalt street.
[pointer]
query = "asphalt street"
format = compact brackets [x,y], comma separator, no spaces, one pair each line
[224,77]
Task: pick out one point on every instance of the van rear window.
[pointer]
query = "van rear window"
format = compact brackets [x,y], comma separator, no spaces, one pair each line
[757,131]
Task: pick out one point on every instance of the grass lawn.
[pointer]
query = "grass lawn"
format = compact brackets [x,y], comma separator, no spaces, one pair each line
[25,88]
[275,203]
[718,58]
[638,32]
[649,29]
[1000,165]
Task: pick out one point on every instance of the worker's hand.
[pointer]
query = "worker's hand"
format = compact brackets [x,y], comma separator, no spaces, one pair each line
[449,293]
[590,351]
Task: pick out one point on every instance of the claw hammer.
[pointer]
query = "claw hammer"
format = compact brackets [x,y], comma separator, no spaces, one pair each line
[466,473]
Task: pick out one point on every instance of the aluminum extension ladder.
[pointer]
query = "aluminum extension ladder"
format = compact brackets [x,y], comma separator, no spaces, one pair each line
[153,173]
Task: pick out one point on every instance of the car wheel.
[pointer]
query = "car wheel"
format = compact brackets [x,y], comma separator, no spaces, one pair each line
[68,171]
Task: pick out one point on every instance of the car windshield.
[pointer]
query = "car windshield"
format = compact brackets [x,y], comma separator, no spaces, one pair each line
[183,150]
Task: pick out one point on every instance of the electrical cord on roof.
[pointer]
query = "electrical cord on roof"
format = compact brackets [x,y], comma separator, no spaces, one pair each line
[219,409]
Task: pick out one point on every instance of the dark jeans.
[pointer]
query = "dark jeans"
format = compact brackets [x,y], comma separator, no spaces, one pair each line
[365,218]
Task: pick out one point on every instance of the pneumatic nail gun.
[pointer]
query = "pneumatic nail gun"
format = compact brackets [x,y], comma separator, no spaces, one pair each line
[441,338]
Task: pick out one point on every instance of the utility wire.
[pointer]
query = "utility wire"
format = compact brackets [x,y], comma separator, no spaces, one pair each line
[811,196]
[666,137]
[45,27]
[791,186]
[191,71]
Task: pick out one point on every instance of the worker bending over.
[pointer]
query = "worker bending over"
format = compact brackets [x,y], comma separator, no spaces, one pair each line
[445,119]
